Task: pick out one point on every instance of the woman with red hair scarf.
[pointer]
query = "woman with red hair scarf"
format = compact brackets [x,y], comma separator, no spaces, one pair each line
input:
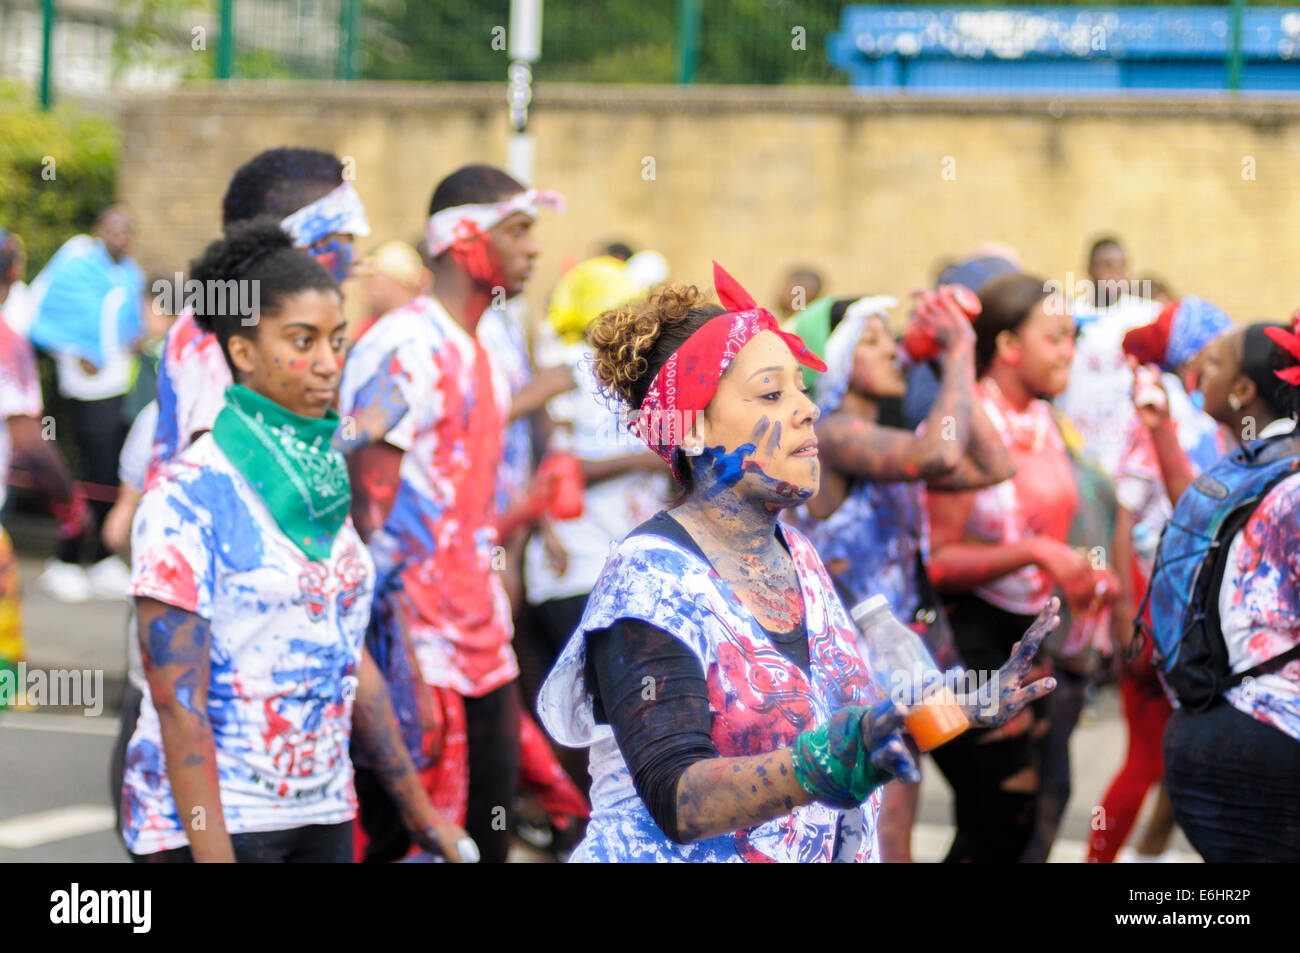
[714,674]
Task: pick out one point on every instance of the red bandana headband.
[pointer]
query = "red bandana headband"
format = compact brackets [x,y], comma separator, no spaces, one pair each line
[689,378]
[1288,341]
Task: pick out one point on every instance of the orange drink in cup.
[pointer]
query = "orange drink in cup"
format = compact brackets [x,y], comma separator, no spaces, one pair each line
[899,663]
[938,719]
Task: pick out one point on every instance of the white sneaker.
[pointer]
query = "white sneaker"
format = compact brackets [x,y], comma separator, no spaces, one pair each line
[109,578]
[66,582]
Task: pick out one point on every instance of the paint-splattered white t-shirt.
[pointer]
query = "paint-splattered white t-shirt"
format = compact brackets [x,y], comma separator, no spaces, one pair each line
[1259,608]
[1097,399]
[286,638]
[192,379]
[758,698]
[443,402]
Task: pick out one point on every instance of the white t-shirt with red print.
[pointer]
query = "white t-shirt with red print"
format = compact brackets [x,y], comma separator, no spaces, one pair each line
[1097,399]
[429,389]
[1139,486]
[286,643]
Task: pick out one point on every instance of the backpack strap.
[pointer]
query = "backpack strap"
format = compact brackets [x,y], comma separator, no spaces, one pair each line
[1263,668]
[1228,531]
[1283,445]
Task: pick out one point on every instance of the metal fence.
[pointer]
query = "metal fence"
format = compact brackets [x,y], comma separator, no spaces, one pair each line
[288,39]
[976,47]
[1089,47]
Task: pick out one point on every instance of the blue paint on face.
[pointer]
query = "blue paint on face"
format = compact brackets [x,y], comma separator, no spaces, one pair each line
[335,255]
[721,468]
[774,441]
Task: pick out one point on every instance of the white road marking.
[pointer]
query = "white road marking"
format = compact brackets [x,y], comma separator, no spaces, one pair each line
[68,724]
[45,826]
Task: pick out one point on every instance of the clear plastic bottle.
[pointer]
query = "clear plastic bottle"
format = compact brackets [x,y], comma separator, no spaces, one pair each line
[904,668]
[1147,389]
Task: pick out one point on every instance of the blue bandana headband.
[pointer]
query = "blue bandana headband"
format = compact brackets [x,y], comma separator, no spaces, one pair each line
[340,211]
[1196,323]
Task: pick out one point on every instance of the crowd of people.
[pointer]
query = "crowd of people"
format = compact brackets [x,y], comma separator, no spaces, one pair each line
[437,579]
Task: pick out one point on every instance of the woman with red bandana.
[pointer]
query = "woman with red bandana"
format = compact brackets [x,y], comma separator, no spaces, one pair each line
[998,554]
[714,674]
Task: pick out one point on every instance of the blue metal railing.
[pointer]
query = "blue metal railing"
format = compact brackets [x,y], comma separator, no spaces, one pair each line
[1069,49]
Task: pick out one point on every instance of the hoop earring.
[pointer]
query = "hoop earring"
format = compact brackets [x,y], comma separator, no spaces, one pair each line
[693,451]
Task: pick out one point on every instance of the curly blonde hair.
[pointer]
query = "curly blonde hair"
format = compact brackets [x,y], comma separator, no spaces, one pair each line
[633,342]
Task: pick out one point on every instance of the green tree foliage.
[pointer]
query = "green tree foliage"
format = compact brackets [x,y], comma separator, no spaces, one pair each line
[57,170]
[616,41]
[598,41]
[630,41]
[163,33]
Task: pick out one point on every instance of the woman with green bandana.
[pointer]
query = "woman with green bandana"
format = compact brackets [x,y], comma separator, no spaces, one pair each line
[253,595]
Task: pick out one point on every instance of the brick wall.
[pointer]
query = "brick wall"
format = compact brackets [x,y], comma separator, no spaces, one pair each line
[874,191]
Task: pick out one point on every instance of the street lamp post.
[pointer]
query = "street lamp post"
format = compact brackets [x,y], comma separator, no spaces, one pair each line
[525,46]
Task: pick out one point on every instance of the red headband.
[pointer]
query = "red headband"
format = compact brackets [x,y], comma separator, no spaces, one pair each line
[1289,342]
[689,378]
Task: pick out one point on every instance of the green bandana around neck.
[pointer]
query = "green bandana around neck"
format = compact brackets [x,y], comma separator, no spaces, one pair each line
[290,463]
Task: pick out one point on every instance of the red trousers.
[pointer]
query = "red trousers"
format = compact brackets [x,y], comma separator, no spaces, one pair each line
[1146,712]
[447,780]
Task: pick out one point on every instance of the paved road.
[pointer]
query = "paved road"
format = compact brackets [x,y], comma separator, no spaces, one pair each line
[54,802]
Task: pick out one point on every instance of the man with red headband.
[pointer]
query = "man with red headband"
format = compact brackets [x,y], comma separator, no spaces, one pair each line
[426,411]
